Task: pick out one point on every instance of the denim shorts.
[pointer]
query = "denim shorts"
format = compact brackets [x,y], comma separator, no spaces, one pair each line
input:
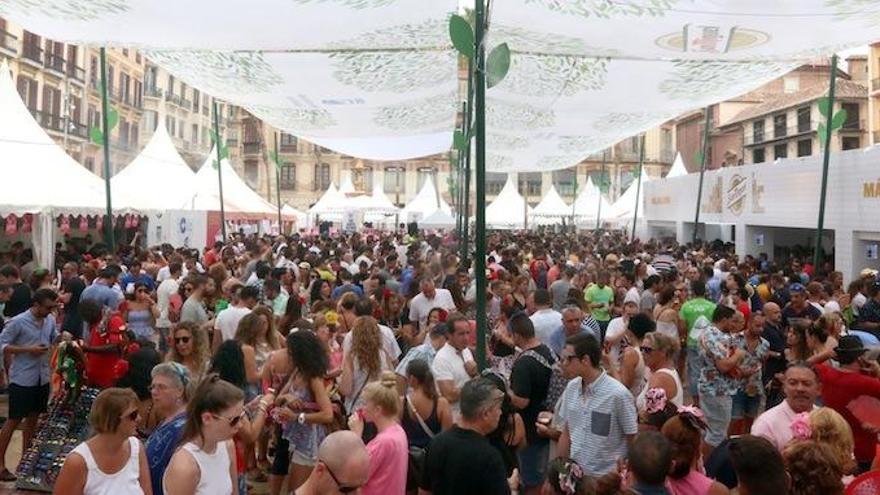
[746,406]
[717,409]
[533,463]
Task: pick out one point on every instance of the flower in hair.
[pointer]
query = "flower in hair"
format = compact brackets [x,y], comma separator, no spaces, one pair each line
[569,477]
[655,400]
[800,427]
[694,416]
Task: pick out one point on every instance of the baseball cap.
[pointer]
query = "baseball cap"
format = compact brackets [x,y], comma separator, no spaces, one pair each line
[797,287]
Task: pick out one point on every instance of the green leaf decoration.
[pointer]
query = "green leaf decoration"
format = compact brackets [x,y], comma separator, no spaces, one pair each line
[459,142]
[462,35]
[214,165]
[698,157]
[838,120]
[97,136]
[112,118]
[275,158]
[224,152]
[497,64]
[637,172]
[822,134]
[823,105]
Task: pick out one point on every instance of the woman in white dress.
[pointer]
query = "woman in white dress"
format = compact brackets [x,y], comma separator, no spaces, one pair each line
[205,462]
[113,461]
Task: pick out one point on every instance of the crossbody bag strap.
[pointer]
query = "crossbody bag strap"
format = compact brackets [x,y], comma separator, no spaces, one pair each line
[412,409]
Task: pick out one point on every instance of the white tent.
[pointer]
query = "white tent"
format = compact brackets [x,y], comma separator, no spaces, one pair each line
[157,179]
[437,220]
[552,209]
[330,205]
[623,209]
[508,210]
[238,197]
[425,203]
[38,176]
[302,218]
[347,186]
[678,168]
[586,205]
[382,210]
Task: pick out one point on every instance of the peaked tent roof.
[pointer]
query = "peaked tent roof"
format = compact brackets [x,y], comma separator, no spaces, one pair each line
[37,174]
[237,196]
[551,209]
[301,217]
[437,220]
[347,186]
[157,179]
[678,168]
[425,201]
[332,201]
[587,203]
[509,208]
[623,208]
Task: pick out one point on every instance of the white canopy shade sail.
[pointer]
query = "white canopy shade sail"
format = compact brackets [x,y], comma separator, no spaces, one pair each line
[157,179]
[38,176]
[678,168]
[427,201]
[509,209]
[552,209]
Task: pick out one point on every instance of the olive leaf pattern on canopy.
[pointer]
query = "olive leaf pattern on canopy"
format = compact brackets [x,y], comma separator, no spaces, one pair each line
[552,75]
[394,71]
[607,9]
[629,121]
[556,162]
[582,144]
[352,4]
[525,40]
[220,73]
[422,113]
[68,10]
[430,33]
[503,114]
[294,119]
[506,141]
[498,163]
[695,79]
[868,11]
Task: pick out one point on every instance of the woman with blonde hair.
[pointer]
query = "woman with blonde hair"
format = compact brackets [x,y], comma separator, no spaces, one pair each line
[189,347]
[363,363]
[813,469]
[659,351]
[829,427]
[389,450]
[112,461]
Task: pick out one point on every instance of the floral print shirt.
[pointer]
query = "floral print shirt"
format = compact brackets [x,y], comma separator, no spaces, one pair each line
[715,345]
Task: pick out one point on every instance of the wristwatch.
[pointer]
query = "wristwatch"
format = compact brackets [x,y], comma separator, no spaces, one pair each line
[301,419]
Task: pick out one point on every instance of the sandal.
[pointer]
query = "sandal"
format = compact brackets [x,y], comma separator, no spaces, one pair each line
[5,475]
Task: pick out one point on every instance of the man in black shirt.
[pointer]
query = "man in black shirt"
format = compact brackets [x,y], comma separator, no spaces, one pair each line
[799,307]
[20,300]
[529,380]
[71,289]
[775,362]
[461,461]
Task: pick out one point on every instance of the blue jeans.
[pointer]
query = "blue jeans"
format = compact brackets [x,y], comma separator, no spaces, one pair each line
[533,463]
[693,370]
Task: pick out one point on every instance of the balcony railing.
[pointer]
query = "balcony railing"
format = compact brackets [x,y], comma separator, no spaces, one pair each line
[173,98]
[48,120]
[54,62]
[8,41]
[788,132]
[152,92]
[251,148]
[187,104]
[875,84]
[78,129]
[33,53]
[76,73]
[854,125]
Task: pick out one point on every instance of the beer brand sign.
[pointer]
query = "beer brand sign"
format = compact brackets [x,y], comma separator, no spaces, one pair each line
[871,189]
[735,196]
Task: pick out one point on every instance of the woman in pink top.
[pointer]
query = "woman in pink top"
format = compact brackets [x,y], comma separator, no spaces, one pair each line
[389,451]
[685,432]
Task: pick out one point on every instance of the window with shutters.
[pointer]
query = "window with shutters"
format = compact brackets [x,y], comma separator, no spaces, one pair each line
[322,176]
[394,180]
[288,176]
[27,89]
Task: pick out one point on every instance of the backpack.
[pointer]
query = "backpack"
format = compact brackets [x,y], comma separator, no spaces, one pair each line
[556,385]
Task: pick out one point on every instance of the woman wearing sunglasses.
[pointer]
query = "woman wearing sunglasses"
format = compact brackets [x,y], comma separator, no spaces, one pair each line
[205,462]
[189,347]
[112,461]
[140,312]
[170,390]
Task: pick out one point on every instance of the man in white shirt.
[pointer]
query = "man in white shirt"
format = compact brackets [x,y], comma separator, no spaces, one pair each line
[428,299]
[163,294]
[545,319]
[244,299]
[454,364]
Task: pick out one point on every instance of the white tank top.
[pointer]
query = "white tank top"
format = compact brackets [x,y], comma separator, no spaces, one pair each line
[214,476]
[123,482]
[678,400]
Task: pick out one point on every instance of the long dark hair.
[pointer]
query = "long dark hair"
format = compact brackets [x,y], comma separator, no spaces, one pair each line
[213,395]
[307,354]
[228,363]
[419,369]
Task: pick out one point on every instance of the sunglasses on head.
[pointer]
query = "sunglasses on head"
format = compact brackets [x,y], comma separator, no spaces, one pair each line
[181,340]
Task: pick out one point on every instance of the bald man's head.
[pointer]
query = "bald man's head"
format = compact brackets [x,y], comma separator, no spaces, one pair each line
[773,313]
[343,463]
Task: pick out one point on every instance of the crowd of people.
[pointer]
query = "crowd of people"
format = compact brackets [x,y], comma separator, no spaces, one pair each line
[349,363]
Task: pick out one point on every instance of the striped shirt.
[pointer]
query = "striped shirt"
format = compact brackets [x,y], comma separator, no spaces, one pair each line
[598,420]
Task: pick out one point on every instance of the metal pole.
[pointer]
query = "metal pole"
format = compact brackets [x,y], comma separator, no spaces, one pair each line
[465,242]
[706,127]
[601,181]
[826,157]
[110,234]
[638,184]
[278,184]
[480,228]
[220,171]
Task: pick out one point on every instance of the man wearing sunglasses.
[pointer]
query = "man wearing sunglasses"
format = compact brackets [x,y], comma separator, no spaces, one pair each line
[343,466]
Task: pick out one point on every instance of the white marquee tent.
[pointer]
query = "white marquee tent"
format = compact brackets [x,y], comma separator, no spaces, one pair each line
[509,209]
[678,169]
[586,205]
[552,209]
[302,218]
[329,206]
[425,203]
[157,179]
[623,209]
[437,220]
[238,197]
